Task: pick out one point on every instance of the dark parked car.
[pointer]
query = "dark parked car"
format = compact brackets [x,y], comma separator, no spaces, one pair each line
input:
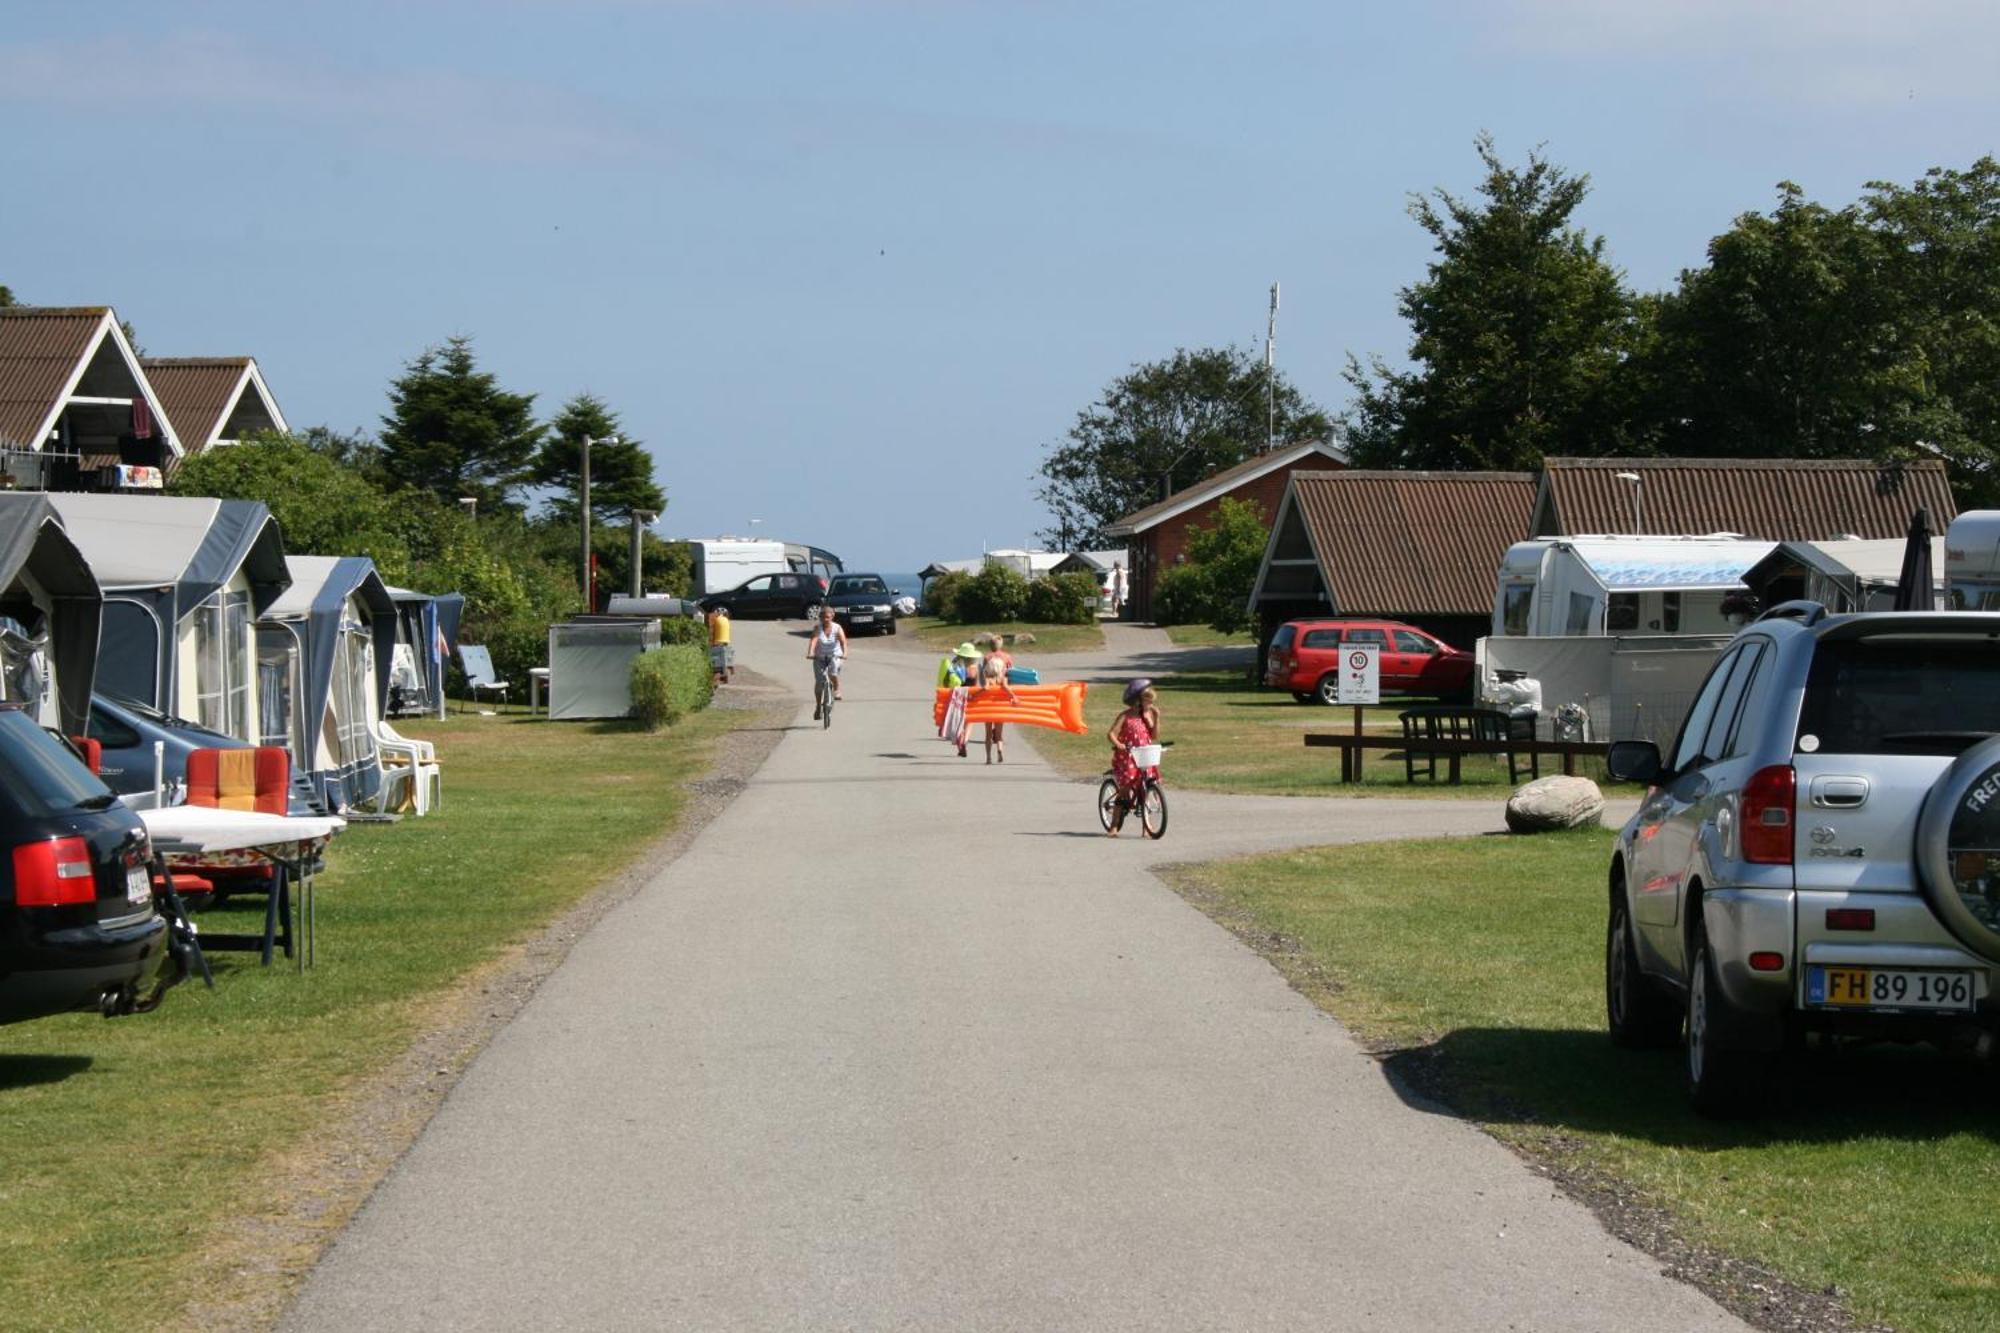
[1305,659]
[77,924]
[862,602]
[771,597]
[127,729]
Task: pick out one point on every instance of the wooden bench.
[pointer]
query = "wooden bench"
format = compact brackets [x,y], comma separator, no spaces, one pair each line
[1353,746]
[1423,728]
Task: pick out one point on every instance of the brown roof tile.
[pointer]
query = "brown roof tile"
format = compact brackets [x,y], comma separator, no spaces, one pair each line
[40,347]
[195,391]
[1413,543]
[1769,499]
[1221,483]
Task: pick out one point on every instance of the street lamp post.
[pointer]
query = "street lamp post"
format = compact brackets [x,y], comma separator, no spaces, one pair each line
[641,518]
[1638,500]
[471,503]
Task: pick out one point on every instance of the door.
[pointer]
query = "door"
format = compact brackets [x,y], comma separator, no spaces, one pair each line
[1671,820]
[1407,661]
[757,598]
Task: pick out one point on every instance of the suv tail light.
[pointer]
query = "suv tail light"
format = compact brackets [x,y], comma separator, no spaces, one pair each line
[53,872]
[1768,798]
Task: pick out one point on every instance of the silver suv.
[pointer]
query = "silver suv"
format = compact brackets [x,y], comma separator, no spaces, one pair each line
[1821,850]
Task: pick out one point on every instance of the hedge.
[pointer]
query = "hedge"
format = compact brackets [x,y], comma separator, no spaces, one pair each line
[683,629]
[670,683]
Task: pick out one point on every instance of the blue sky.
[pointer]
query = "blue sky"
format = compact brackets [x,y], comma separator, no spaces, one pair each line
[850,266]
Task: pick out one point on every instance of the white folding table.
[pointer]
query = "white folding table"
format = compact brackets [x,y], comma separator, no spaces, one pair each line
[287,841]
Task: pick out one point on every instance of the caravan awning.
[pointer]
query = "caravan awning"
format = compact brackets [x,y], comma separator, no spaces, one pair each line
[33,542]
[1696,565]
[321,587]
[194,545]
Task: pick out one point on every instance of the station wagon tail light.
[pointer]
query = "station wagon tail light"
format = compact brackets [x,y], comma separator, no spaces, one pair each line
[53,872]
[1768,799]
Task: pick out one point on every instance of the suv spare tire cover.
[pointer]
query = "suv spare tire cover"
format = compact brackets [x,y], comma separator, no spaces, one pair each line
[1958,848]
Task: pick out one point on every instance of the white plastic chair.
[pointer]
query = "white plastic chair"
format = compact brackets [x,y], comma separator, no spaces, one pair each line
[479,678]
[409,764]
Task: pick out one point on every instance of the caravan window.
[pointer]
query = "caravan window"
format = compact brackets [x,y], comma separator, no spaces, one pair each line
[237,643]
[211,665]
[1670,613]
[1621,613]
[1580,607]
[275,683]
[1514,604]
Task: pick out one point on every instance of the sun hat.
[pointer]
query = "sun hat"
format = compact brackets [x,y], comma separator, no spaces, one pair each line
[965,650]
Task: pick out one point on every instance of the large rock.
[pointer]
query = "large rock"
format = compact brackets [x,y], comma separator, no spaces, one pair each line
[1554,802]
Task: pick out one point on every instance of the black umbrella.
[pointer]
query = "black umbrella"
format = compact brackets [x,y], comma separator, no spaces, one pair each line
[1914,591]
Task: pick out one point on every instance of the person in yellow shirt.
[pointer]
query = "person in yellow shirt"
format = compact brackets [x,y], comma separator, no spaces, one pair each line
[721,653]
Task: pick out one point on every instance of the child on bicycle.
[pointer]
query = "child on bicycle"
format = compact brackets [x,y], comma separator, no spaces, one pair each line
[1139,724]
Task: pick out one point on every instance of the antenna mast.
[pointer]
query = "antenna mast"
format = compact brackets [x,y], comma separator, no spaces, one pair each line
[1271,375]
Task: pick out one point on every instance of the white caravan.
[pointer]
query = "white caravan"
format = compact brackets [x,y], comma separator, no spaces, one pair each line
[1621,585]
[1972,561]
[722,563]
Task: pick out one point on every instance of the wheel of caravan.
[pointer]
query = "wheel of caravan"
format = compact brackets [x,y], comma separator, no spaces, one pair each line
[1107,802]
[1328,689]
[1959,822]
[1637,1012]
[1153,811]
[1718,1079]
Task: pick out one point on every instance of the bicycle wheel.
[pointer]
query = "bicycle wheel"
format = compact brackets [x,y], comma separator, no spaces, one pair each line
[825,700]
[1107,802]
[1153,811]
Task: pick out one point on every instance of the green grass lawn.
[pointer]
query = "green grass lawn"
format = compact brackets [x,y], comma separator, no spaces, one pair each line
[938,634]
[1873,1172]
[1202,636]
[1230,736]
[129,1144]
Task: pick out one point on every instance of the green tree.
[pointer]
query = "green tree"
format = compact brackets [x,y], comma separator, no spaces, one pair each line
[1213,585]
[1519,330]
[1160,428]
[621,470]
[324,507]
[453,432]
[7,296]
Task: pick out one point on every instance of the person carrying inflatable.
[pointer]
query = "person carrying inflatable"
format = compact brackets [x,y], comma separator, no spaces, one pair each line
[953,672]
[993,675]
[1139,724]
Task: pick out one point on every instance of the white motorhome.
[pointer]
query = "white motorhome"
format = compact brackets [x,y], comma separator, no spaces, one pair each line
[1620,585]
[1972,561]
[722,563]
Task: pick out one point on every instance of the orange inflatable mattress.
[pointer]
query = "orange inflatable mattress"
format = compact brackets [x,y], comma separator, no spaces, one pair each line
[1056,706]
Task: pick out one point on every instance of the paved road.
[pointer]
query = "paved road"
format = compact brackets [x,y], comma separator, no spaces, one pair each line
[902,1042]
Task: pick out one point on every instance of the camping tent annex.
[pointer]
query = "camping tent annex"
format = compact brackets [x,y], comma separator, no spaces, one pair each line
[426,636]
[49,612]
[1574,586]
[323,655]
[1842,576]
[184,581]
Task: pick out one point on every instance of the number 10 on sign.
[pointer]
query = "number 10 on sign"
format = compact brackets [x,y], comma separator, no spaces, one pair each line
[1360,674]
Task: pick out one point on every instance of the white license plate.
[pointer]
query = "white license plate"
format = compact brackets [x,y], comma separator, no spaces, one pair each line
[861,620]
[1831,987]
[138,885]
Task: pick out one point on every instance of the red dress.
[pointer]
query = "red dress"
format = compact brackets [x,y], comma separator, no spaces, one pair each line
[1132,731]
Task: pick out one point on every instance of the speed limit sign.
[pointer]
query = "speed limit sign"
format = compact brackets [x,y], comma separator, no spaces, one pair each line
[1360,674]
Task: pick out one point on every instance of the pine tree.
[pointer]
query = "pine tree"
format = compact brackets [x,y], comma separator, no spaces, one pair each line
[621,470]
[452,431]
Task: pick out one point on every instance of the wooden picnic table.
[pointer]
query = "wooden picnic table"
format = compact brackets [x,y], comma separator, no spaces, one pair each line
[1352,747]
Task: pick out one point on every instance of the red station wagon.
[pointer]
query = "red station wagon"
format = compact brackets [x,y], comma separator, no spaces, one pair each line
[1305,656]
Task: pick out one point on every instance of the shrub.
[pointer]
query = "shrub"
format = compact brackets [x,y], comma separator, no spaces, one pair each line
[996,592]
[684,629]
[1180,595]
[941,597]
[1062,599]
[669,684]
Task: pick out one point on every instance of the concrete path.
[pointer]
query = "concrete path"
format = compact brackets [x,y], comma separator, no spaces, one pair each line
[902,1042]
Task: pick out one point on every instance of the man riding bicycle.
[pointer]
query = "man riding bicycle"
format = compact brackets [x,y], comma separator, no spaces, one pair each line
[828,649]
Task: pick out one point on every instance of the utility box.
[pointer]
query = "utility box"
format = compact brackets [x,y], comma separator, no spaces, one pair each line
[590,666]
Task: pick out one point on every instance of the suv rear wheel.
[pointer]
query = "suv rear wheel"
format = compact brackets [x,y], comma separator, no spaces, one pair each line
[1639,1014]
[1718,1078]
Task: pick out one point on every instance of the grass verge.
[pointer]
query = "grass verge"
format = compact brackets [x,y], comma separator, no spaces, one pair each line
[132,1145]
[938,634]
[1869,1178]
[1232,737]
[1206,636]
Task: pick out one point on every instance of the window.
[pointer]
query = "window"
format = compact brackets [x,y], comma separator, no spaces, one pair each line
[1282,640]
[237,649]
[275,684]
[211,656]
[1715,745]
[1670,613]
[1408,641]
[1695,729]
[1752,700]
[1621,613]
[1322,638]
[858,583]
[108,731]
[1580,609]
[1374,636]
[1514,605]
[762,583]
[1902,695]
[130,666]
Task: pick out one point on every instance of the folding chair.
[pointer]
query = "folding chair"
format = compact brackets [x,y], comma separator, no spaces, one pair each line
[479,678]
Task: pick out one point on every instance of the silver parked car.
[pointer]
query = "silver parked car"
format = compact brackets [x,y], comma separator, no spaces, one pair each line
[1821,850]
